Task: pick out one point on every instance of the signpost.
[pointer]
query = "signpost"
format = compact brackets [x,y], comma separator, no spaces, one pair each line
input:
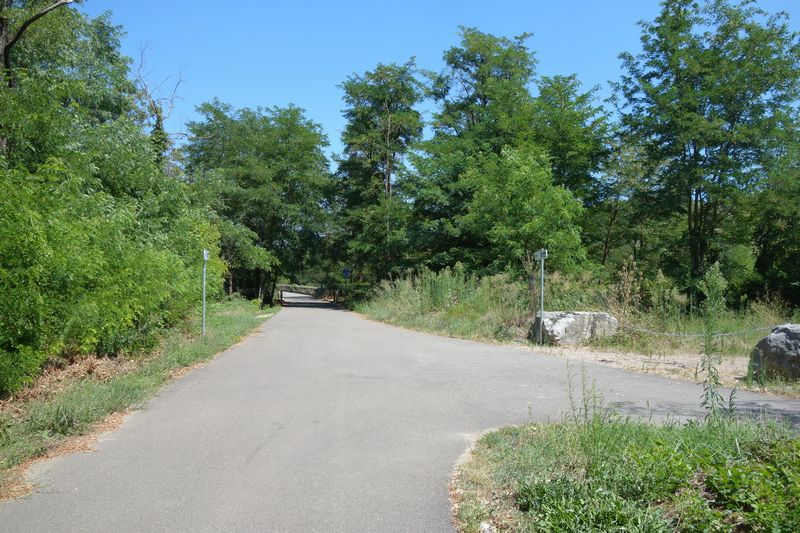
[205,262]
[346,273]
[541,255]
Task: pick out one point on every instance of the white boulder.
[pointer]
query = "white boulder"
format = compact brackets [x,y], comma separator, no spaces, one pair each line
[569,328]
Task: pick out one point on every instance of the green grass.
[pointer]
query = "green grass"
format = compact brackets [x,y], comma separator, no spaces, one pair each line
[605,473]
[497,308]
[681,332]
[453,303]
[44,423]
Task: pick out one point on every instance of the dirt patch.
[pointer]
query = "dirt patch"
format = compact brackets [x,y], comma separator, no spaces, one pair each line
[681,366]
[178,373]
[55,379]
[15,483]
[476,501]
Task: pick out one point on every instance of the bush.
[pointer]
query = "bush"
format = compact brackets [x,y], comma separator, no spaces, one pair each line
[82,271]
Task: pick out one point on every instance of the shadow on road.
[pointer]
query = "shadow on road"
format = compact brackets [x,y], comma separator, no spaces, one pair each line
[293,299]
[744,409]
[321,304]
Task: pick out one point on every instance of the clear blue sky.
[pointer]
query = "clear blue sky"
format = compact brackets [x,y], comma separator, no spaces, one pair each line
[264,53]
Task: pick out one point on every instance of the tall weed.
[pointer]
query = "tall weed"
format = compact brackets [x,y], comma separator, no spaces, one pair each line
[654,315]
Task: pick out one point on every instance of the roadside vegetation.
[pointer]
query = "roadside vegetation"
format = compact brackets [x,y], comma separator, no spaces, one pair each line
[654,316]
[103,219]
[692,167]
[31,428]
[597,471]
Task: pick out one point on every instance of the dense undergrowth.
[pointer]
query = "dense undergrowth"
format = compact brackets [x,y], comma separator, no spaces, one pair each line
[44,422]
[654,316]
[614,474]
[92,273]
[599,471]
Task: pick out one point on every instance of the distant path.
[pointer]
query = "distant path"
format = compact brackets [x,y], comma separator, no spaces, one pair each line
[320,422]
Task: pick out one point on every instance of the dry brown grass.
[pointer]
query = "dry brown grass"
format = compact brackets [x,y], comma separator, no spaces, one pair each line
[56,379]
[674,365]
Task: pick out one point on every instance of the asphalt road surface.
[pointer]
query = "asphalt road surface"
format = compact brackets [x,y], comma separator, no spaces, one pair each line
[321,421]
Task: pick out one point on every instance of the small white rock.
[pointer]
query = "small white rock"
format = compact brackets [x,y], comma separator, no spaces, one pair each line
[486,527]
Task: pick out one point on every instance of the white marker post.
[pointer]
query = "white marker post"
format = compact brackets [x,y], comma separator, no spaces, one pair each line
[205,262]
[541,255]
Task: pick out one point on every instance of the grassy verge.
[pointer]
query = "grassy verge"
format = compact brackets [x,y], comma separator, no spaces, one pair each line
[655,332]
[453,303]
[44,423]
[604,473]
[497,308]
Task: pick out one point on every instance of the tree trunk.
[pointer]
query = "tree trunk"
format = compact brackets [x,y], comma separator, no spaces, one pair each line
[4,38]
[696,230]
[529,265]
[607,241]
[268,291]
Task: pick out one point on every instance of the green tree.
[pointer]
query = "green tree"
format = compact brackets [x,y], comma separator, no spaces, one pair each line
[709,95]
[483,91]
[776,220]
[606,221]
[485,105]
[241,252]
[65,73]
[520,209]
[99,248]
[269,172]
[574,132]
[382,125]
[16,18]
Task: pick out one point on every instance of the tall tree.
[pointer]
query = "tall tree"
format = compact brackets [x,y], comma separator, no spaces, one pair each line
[574,131]
[711,91]
[382,125]
[15,19]
[608,223]
[485,105]
[484,90]
[776,219]
[68,74]
[24,14]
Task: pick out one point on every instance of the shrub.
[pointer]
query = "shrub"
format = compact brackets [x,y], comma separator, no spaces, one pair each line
[82,271]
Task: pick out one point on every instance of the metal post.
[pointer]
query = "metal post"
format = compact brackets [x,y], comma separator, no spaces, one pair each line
[540,256]
[205,262]
[541,300]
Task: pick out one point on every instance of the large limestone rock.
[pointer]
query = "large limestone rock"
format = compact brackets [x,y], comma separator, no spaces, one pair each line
[778,354]
[573,327]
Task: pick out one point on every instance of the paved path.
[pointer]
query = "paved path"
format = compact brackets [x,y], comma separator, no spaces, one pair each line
[320,422]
